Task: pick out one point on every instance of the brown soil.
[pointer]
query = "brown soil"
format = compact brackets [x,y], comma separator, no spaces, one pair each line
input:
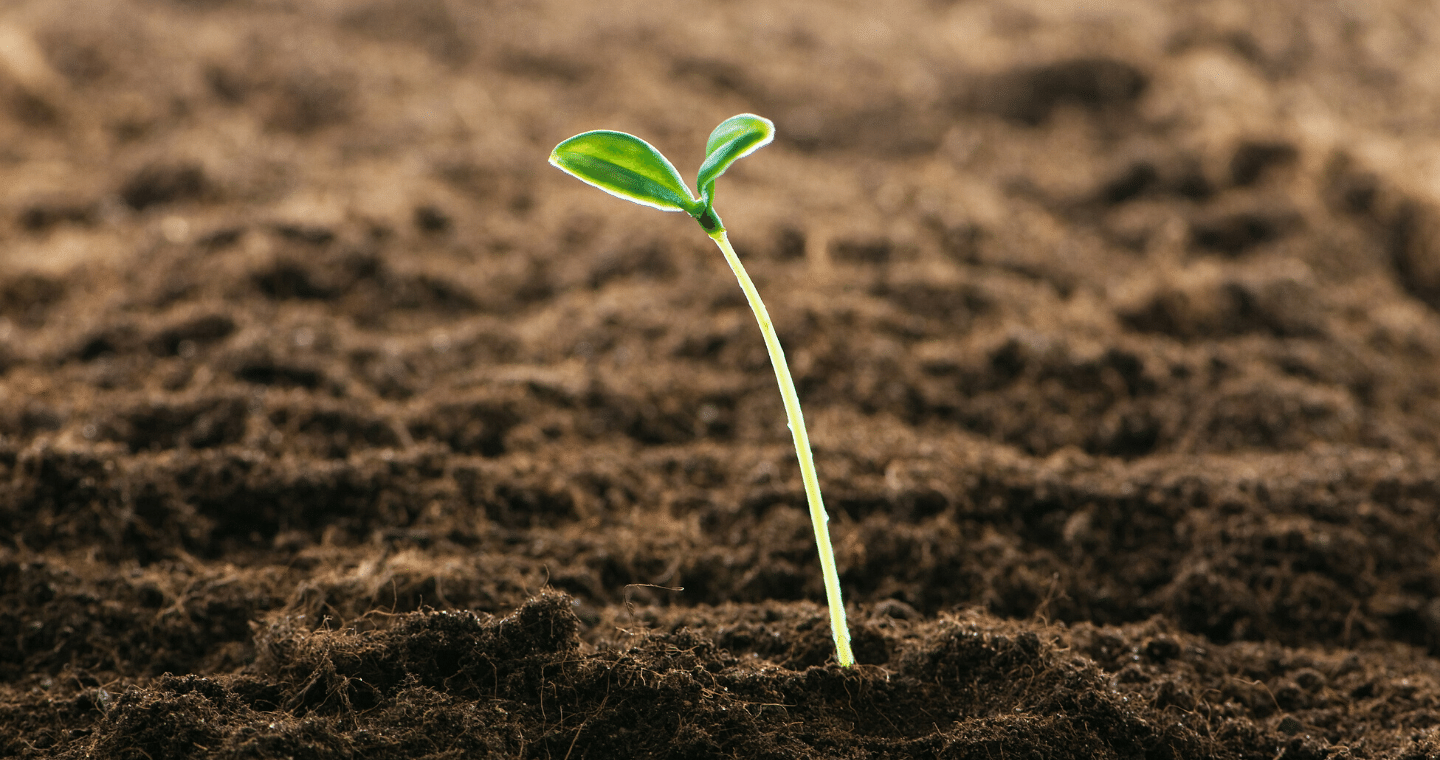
[337,424]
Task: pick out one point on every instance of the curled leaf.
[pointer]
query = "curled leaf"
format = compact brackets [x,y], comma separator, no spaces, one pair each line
[624,166]
[735,138]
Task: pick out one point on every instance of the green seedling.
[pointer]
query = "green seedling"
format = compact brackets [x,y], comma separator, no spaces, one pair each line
[628,167]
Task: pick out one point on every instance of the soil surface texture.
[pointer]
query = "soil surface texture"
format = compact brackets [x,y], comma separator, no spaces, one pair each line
[334,423]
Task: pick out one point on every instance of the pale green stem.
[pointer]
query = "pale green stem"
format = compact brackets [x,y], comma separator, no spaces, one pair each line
[818,517]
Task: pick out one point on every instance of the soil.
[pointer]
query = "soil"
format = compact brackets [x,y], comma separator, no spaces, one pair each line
[337,424]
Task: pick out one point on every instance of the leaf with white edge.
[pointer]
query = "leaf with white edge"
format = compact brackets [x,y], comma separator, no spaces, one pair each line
[735,138]
[624,166]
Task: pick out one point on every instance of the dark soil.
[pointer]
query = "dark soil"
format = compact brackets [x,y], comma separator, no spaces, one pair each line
[337,424]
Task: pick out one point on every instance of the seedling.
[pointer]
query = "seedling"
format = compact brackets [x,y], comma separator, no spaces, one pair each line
[628,167]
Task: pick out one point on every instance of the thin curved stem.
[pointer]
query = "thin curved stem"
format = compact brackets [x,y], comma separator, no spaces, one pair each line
[818,517]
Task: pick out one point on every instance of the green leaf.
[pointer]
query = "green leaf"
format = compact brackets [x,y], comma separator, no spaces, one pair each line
[624,166]
[735,138]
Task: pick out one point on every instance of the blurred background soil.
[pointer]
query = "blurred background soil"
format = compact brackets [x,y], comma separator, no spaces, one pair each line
[335,423]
